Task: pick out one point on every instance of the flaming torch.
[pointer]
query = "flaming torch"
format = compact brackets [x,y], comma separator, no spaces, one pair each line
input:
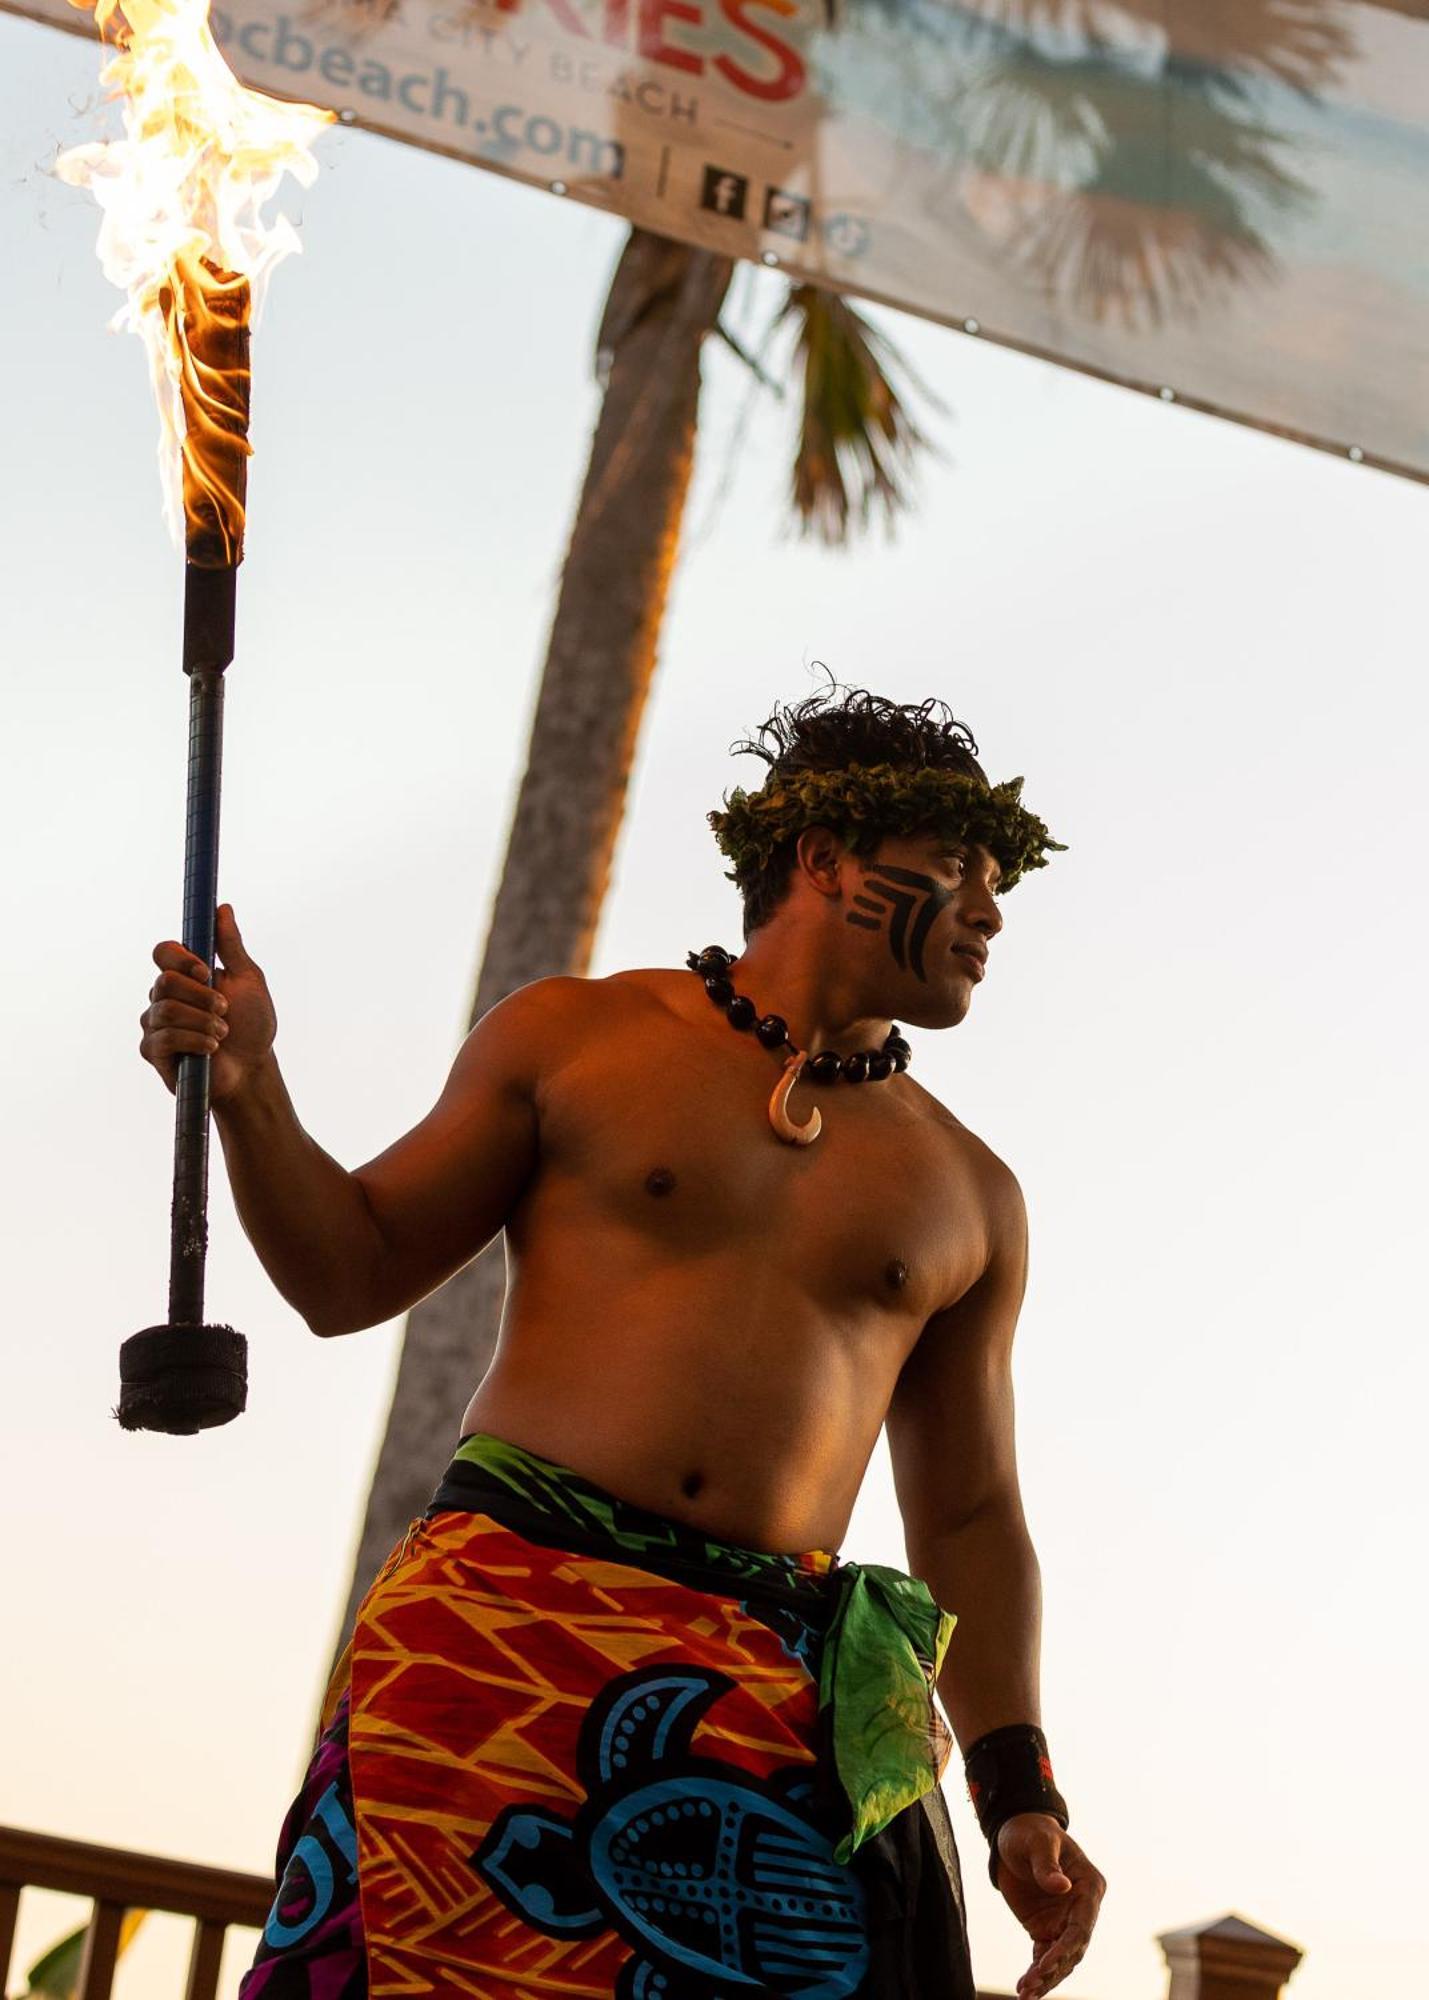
[184,237]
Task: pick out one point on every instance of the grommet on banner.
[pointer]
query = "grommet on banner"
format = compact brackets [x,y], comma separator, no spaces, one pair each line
[1167,395]
[558,187]
[972,326]
[346,116]
[769,257]
[1356,454]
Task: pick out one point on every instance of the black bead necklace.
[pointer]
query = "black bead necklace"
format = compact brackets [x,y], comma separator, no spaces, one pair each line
[715,965]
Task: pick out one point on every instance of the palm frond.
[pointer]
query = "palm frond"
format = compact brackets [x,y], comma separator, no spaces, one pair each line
[1177,211]
[1032,117]
[858,445]
[1107,254]
[55,1975]
[1301,43]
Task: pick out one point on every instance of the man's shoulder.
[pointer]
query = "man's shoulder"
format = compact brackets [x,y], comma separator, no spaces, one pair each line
[964,1145]
[971,1159]
[652,982]
[566,1003]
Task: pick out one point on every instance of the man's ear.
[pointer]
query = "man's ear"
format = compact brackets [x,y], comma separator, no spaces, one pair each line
[822,857]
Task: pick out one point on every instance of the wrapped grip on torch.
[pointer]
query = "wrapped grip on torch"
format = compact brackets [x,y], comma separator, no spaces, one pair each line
[187,1376]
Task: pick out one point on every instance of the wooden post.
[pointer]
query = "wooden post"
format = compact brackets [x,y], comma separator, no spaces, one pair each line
[101,1952]
[1227,1960]
[9,1911]
[205,1961]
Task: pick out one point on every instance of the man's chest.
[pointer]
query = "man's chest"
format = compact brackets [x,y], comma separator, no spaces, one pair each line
[677,1149]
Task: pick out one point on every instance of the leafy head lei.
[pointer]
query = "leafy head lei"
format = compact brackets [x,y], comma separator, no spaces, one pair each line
[868,768]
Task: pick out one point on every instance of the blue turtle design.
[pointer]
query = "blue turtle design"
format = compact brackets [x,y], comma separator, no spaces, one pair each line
[720,1880]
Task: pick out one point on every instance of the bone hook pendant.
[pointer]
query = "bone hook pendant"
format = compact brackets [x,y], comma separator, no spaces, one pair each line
[788,1131]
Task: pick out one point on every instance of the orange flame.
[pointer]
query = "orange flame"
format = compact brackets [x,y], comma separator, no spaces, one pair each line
[184,236]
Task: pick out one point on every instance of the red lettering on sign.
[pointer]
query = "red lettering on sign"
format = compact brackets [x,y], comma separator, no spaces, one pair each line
[568,18]
[653,45]
[791,75]
[617,24]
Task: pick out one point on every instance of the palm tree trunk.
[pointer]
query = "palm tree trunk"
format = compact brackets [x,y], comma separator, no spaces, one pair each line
[663,300]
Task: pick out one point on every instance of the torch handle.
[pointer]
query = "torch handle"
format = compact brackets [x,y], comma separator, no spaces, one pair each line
[186,1377]
[208,647]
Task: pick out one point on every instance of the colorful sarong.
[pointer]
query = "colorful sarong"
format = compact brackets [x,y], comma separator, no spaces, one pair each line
[578,1749]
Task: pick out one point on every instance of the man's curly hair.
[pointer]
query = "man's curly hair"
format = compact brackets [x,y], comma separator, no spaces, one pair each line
[868,767]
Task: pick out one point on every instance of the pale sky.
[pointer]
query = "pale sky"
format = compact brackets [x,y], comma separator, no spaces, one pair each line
[1201,1050]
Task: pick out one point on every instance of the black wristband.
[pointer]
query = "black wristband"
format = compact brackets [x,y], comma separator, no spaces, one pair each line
[1008,1772]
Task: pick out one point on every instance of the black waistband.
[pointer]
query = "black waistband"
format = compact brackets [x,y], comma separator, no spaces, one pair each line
[565,1512]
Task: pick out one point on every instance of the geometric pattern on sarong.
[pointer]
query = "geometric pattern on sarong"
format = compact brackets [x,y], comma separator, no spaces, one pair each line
[504,1854]
[312,1946]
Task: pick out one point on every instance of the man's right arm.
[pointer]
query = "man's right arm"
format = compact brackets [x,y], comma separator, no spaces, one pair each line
[349,1250]
[305,1215]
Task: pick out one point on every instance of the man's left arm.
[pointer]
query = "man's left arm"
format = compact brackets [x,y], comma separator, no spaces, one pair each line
[951,1436]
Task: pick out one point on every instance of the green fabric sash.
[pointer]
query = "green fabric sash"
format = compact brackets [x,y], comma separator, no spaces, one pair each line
[881,1658]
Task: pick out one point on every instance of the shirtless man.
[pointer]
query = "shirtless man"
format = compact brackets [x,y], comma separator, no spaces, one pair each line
[710,1316]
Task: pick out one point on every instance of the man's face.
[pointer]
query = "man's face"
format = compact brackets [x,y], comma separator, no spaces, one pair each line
[925,911]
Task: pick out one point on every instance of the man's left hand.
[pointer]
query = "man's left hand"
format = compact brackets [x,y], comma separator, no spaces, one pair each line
[1053,1891]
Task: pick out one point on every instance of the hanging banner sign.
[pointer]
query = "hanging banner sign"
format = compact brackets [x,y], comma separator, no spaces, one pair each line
[1222,202]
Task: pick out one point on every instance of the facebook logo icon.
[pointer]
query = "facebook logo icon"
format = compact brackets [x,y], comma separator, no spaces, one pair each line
[725,193]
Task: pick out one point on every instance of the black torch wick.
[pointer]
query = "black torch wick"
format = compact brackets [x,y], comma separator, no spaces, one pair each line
[187,1376]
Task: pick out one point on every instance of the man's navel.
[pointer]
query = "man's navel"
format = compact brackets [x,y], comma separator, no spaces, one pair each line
[659,1181]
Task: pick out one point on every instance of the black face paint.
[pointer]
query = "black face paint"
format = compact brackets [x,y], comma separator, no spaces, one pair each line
[896,894]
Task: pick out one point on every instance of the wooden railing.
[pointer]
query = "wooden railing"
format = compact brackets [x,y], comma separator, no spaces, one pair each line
[1228,1959]
[117,1881]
